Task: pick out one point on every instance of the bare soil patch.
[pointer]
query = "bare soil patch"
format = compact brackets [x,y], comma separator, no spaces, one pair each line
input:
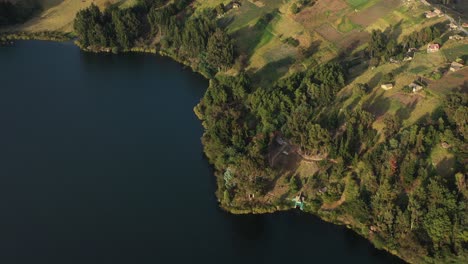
[335,204]
[451,81]
[407,99]
[329,33]
[321,11]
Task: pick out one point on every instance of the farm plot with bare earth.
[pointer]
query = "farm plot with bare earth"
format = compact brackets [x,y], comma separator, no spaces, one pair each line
[329,33]
[451,81]
[323,11]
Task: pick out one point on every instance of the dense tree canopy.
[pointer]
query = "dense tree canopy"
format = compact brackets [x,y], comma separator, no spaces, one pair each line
[220,50]
[195,38]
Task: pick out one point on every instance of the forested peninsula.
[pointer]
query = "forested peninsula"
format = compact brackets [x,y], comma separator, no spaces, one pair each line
[370,132]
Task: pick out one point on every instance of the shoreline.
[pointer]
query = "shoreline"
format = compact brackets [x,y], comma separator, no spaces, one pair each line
[254,208]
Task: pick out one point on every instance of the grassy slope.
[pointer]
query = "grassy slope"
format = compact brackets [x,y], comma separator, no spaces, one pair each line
[270,58]
[58,15]
[339,24]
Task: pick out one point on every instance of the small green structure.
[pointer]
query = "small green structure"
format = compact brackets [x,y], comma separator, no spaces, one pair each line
[299,202]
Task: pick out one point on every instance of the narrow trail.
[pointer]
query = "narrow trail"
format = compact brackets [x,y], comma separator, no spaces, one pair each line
[335,204]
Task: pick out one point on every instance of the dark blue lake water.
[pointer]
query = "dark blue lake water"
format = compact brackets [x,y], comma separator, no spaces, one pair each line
[101,162]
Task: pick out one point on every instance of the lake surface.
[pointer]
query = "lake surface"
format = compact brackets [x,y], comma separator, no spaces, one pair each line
[101,162]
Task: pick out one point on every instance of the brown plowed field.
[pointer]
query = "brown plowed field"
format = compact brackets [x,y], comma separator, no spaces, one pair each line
[329,33]
[315,15]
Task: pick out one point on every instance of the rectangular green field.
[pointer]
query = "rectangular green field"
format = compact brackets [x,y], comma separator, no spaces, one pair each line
[357,3]
[456,52]
[361,4]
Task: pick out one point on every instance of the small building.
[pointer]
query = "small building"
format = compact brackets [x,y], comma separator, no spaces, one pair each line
[415,87]
[387,86]
[435,13]
[465,25]
[438,12]
[299,201]
[235,4]
[455,66]
[430,14]
[434,47]
[408,58]
[453,26]
[393,60]
[457,37]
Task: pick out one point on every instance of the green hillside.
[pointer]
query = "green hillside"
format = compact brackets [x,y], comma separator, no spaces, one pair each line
[334,105]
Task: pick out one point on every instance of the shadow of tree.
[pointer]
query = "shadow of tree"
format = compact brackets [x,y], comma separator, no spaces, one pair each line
[355,101]
[271,72]
[348,49]
[445,167]
[426,118]
[401,69]
[377,105]
[438,112]
[405,112]
[225,21]
[374,81]
[395,31]
[249,37]
[464,87]
[356,69]
[309,51]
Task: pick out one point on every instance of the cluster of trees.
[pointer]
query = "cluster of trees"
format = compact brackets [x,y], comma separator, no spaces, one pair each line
[18,12]
[186,36]
[231,139]
[393,189]
[421,38]
[446,2]
[112,28]
[198,37]
[297,6]
[239,121]
[412,205]
[382,48]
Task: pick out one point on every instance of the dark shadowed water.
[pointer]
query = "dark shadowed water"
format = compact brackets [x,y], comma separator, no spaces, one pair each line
[101,162]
